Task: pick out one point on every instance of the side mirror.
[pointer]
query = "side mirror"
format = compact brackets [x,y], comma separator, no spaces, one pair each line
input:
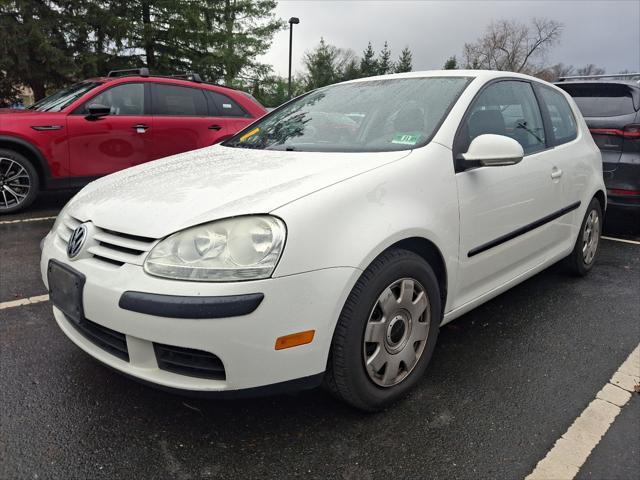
[97,111]
[494,151]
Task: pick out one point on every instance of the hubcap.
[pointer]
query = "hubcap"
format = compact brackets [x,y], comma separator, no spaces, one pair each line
[590,237]
[396,332]
[14,183]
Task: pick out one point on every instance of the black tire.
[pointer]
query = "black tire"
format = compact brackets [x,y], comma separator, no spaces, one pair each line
[11,164]
[576,262]
[346,376]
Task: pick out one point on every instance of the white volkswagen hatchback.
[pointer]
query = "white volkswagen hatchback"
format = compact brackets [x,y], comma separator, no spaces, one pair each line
[331,239]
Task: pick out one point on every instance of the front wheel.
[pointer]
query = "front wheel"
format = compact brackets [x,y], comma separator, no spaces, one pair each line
[585,251]
[19,183]
[386,332]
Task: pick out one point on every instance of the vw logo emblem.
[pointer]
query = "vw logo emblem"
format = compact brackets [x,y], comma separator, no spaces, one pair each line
[76,241]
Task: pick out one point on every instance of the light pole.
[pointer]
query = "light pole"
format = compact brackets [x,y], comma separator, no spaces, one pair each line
[292,21]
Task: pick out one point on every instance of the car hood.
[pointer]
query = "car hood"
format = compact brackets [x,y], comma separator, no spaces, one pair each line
[6,114]
[12,110]
[164,196]
[21,112]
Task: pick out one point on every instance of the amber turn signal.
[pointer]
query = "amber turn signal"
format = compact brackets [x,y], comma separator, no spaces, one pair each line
[295,339]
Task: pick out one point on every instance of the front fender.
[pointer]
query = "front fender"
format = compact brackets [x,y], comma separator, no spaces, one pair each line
[350,223]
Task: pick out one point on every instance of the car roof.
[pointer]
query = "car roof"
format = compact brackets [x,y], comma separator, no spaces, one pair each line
[160,79]
[482,75]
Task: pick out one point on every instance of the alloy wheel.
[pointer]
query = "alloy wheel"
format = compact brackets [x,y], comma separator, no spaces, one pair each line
[15,183]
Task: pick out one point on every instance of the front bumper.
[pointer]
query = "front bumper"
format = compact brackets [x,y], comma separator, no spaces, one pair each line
[244,343]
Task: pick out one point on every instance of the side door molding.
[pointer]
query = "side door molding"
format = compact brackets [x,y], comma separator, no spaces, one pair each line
[524,229]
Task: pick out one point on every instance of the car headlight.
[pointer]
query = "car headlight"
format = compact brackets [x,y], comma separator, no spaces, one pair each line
[57,222]
[241,248]
[60,217]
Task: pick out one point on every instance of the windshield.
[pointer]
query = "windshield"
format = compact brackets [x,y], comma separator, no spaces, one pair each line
[63,98]
[370,116]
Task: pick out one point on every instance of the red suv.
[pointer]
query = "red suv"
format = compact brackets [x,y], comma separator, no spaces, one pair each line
[103,125]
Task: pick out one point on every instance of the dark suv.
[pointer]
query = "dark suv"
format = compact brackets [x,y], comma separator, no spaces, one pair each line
[103,125]
[610,105]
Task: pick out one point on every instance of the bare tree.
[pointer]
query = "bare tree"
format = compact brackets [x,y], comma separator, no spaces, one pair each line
[590,69]
[559,70]
[555,72]
[513,46]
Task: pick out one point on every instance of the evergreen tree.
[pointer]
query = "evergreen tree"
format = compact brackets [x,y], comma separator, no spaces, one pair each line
[404,63]
[249,26]
[327,64]
[451,63]
[368,64]
[321,65]
[271,90]
[385,65]
[50,43]
[351,70]
[217,38]
[34,50]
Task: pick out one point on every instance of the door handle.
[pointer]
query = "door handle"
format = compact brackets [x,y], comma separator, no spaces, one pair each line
[556,173]
[140,126]
[215,127]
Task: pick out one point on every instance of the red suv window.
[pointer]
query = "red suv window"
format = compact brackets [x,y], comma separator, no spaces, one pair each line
[178,100]
[223,106]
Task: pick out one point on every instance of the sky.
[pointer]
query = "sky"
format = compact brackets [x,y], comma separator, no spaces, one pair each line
[604,32]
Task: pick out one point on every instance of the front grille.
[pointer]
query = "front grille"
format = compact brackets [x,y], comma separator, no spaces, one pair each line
[190,362]
[113,342]
[112,247]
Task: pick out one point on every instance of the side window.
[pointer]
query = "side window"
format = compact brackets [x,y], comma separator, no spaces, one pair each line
[179,101]
[124,99]
[223,106]
[563,123]
[506,108]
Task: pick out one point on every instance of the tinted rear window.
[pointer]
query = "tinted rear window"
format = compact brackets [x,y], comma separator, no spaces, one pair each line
[179,101]
[601,100]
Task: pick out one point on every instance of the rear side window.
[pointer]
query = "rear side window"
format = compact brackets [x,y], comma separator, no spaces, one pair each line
[178,101]
[223,106]
[601,99]
[506,108]
[563,123]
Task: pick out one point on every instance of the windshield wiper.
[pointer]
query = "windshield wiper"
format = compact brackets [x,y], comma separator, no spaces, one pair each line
[528,130]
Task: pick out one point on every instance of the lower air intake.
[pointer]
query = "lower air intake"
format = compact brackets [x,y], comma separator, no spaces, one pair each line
[190,362]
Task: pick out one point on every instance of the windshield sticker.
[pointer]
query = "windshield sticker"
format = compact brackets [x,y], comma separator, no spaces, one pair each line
[226,105]
[249,134]
[410,138]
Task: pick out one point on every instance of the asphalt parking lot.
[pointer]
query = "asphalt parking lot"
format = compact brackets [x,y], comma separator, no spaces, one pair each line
[505,382]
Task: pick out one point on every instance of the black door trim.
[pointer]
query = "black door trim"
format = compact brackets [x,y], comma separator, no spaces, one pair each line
[522,230]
